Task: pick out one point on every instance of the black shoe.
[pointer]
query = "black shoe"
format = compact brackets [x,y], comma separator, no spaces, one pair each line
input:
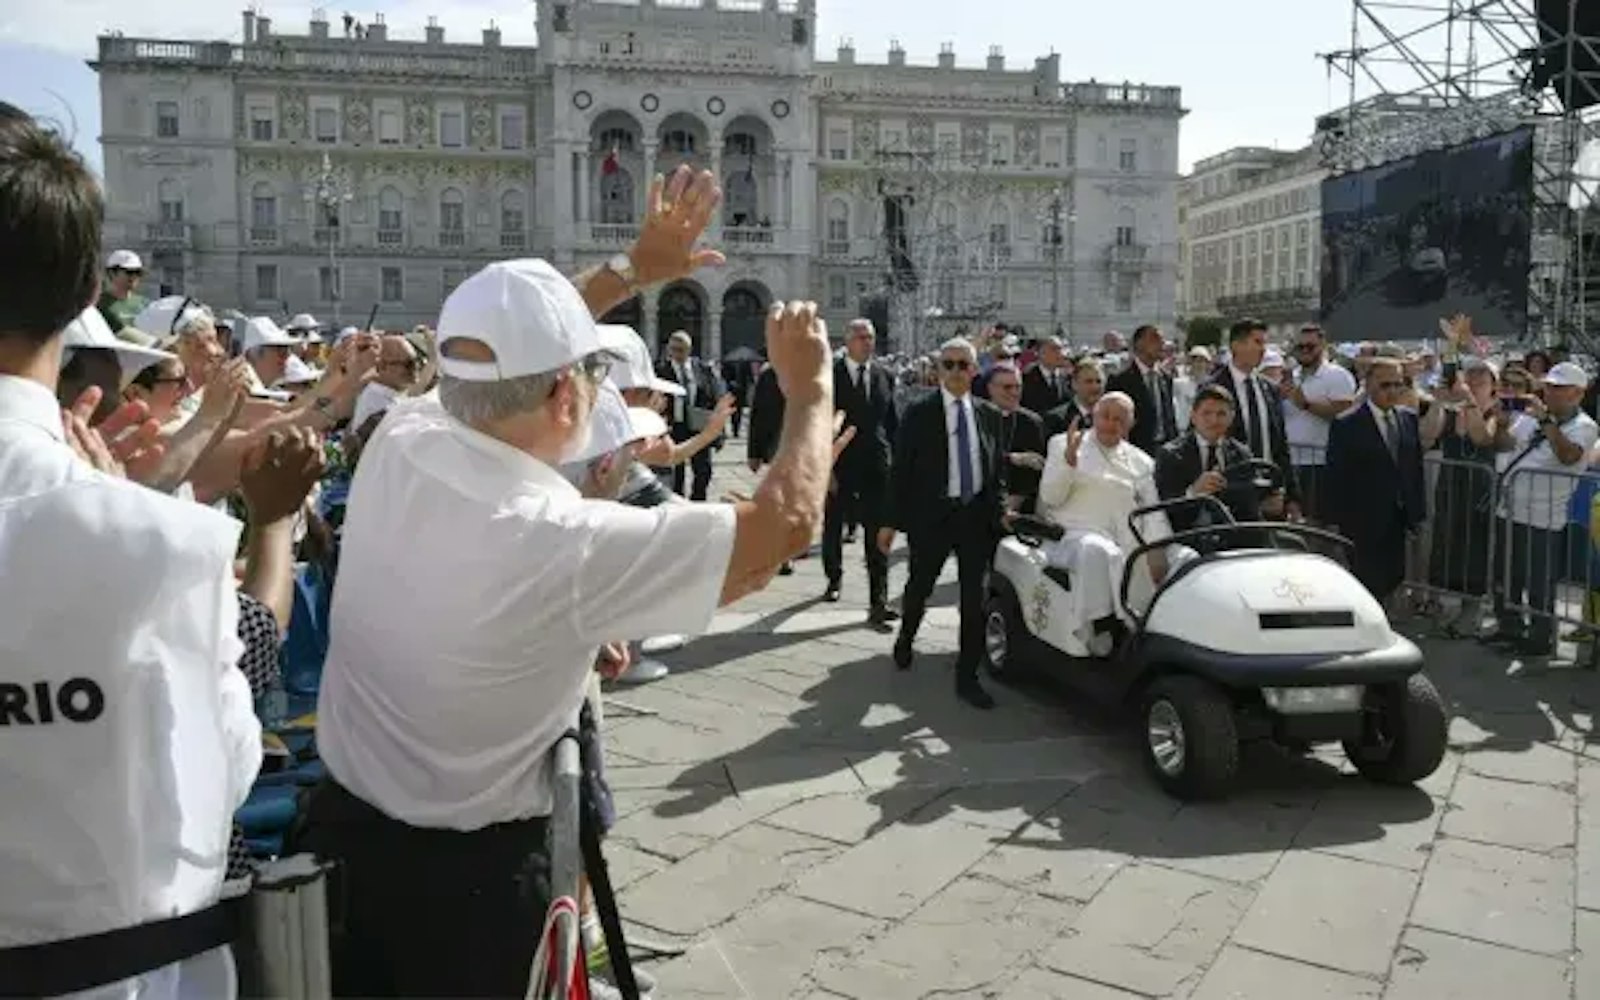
[885,614]
[971,692]
[787,569]
[882,620]
[902,652]
[850,538]
[831,595]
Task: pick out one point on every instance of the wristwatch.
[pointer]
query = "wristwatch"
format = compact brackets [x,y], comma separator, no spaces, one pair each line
[621,265]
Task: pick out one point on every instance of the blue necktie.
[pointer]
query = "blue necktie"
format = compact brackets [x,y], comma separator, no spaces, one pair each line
[964,445]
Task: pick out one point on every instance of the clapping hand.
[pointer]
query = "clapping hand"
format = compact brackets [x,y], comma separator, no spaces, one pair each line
[225,391]
[278,472]
[677,211]
[127,444]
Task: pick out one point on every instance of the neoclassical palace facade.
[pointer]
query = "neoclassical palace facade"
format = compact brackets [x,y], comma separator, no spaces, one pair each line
[343,170]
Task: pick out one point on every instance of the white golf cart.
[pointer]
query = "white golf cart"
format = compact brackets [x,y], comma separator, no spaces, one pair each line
[1252,636]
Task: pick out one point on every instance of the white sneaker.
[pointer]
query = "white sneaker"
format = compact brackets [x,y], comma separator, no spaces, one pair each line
[643,671]
[663,644]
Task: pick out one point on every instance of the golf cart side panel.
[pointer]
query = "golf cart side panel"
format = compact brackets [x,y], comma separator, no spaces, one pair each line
[1266,603]
[1041,593]
[1245,671]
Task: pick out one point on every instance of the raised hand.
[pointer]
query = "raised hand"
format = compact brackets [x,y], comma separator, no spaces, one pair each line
[677,212]
[278,472]
[126,444]
[225,391]
[1074,442]
[797,345]
[721,413]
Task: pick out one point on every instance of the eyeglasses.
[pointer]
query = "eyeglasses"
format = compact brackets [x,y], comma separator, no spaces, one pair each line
[1308,347]
[409,363]
[954,364]
[595,367]
[1392,385]
[172,380]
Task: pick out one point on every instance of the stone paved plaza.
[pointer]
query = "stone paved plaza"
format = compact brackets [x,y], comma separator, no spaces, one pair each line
[807,822]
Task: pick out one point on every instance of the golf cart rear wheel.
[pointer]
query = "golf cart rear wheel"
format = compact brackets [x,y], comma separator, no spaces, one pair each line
[1405,734]
[1002,636]
[1191,744]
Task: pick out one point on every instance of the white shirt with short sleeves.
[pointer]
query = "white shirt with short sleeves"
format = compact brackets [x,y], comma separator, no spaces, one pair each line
[375,398]
[1538,487]
[476,586]
[1307,432]
[119,805]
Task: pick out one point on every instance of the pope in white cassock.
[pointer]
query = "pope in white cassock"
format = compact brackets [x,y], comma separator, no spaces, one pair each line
[1092,482]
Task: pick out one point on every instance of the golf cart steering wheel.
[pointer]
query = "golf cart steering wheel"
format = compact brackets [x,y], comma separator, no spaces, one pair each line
[1258,473]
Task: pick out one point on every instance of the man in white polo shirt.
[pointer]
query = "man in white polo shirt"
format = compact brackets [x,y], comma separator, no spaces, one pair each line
[1312,400]
[476,590]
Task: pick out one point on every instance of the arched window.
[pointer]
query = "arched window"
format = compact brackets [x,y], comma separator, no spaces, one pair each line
[999,225]
[169,199]
[679,141]
[739,144]
[1126,234]
[740,198]
[945,217]
[452,211]
[619,139]
[513,216]
[839,224]
[391,215]
[616,196]
[263,206]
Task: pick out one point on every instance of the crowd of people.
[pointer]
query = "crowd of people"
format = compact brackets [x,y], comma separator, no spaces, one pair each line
[512,507]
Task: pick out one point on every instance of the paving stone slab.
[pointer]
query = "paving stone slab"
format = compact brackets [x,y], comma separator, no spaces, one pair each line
[1003,806]
[1532,817]
[1240,841]
[893,873]
[653,777]
[1498,894]
[967,938]
[712,886]
[628,865]
[677,827]
[1389,826]
[1070,851]
[1589,835]
[1431,966]
[1241,974]
[1330,911]
[768,952]
[1587,970]
[1150,930]
[1042,984]
[850,819]
[1536,764]
[793,776]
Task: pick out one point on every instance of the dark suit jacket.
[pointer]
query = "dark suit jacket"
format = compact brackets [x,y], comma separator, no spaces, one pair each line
[865,463]
[766,416]
[1146,432]
[1037,394]
[1059,419]
[1365,487]
[1022,430]
[1277,437]
[707,385]
[1177,468]
[920,473]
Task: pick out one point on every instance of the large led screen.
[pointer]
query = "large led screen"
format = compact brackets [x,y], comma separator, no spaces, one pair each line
[1441,233]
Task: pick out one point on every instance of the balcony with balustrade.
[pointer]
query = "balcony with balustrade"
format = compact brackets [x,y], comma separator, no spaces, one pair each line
[513,240]
[264,236]
[391,239]
[452,239]
[169,235]
[326,237]
[1127,255]
[748,238]
[613,234]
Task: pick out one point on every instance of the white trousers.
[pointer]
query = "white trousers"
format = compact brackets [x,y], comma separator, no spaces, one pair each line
[1095,562]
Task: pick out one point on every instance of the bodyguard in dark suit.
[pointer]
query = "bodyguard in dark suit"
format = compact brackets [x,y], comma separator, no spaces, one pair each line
[1195,464]
[1155,420]
[1375,493]
[1047,384]
[1088,385]
[1021,438]
[766,427]
[703,389]
[865,393]
[1258,414]
[947,491]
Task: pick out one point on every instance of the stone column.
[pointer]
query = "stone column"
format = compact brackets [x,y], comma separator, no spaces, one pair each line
[642,185]
[715,234]
[564,229]
[586,193]
[711,347]
[648,302]
[788,191]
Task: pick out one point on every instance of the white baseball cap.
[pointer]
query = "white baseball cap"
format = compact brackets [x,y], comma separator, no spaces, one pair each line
[634,371]
[302,321]
[160,318]
[1273,358]
[124,260]
[1569,374]
[526,312]
[261,331]
[90,330]
[616,424]
[297,372]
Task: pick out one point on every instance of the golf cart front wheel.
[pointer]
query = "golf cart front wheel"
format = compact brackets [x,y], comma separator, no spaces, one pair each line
[1191,744]
[1404,735]
[1002,637]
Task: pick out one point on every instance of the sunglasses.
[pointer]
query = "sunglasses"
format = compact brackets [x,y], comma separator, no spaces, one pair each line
[174,380]
[1307,347]
[954,365]
[1005,386]
[1388,385]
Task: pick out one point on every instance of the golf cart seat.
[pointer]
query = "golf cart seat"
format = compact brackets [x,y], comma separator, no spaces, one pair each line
[1034,531]
[1061,576]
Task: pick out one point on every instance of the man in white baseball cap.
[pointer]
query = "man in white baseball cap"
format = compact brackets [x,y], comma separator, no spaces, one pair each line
[267,348]
[120,300]
[478,589]
[92,355]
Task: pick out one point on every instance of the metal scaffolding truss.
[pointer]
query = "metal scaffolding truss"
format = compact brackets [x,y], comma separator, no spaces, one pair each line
[1429,74]
[935,279]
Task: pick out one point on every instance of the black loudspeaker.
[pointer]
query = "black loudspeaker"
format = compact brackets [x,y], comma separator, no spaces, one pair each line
[800,33]
[902,270]
[876,308]
[1561,22]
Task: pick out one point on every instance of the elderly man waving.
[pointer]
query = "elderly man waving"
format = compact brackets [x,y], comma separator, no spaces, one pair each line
[1091,483]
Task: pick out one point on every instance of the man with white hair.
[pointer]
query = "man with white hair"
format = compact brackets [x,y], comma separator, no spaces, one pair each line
[1093,479]
[461,657]
[947,493]
[688,413]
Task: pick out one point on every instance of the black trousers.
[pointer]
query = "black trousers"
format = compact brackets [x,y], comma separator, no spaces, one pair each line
[1380,555]
[1535,558]
[855,502]
[968,532]
[425,912]
[700,464]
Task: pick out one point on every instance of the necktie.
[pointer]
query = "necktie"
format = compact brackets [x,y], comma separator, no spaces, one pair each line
[1391,435]
[1212,465]
[861,380]
[1253,402]
[964,471]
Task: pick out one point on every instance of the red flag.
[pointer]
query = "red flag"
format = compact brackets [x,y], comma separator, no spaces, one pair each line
[610,166]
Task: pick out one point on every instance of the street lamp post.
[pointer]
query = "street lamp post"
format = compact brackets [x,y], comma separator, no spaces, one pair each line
[328,192]
[1060,209]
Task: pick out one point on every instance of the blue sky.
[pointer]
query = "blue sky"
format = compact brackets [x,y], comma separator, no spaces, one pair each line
[1248,68]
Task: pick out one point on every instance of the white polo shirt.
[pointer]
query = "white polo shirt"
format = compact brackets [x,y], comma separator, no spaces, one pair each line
[1307,432]
[118,604]
[1539,487]
[476,586]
